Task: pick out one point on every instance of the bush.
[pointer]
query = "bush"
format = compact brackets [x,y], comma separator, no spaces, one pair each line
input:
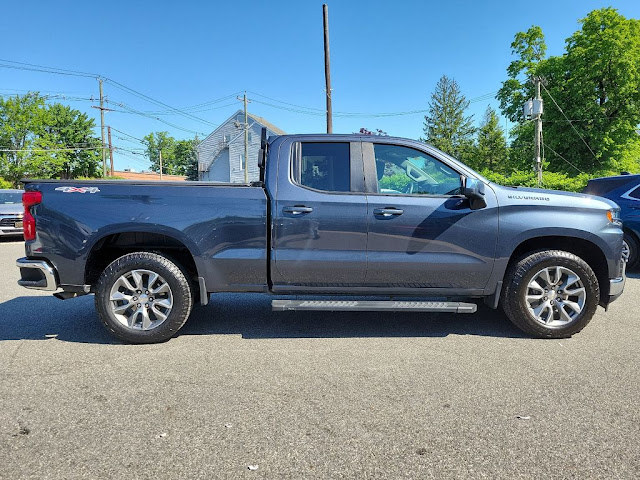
[550,180]
[5,184]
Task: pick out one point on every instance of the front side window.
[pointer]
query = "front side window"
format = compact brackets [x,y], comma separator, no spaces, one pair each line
[323,166]
[635,193]
[406,171]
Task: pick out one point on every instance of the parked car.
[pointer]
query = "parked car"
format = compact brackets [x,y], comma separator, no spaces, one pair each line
[625,191]
[11,211]
[335,215]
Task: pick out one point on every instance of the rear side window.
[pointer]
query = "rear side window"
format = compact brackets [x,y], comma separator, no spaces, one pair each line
[322,166]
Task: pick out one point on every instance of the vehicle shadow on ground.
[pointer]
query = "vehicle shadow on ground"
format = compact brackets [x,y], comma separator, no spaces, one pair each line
[248,315]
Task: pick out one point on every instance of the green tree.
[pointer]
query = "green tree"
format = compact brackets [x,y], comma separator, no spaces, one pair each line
[20,119]
[47,141]
[446,126]
[178,156]
[529,48]
[591,95]
[491,148]
[186,158]
[64,128]
[157,142]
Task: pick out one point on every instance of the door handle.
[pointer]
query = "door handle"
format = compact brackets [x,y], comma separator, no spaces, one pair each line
[388,212]
[297,210]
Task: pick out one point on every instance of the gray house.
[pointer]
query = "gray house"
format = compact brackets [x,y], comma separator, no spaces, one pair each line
[221,154]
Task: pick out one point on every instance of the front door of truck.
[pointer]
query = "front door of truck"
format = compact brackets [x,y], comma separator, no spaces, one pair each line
[319,221]
[422,232]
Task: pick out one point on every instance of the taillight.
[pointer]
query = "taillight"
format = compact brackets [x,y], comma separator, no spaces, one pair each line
[29,199]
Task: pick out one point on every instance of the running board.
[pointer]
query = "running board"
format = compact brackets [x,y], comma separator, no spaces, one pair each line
[372,306]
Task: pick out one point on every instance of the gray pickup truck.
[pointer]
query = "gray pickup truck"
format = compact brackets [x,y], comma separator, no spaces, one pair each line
[392,220]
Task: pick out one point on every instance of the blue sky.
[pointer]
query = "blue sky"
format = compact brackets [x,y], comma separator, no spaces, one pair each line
[385,57]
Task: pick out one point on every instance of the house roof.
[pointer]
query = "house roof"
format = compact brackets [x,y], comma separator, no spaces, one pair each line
[267,124]
[255,118]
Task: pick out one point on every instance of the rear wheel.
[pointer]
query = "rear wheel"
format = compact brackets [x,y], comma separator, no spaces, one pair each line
[550,294]
[143,298]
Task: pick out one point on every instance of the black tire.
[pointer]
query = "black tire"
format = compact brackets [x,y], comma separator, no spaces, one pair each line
[516,287]
[633,246]
[180,292]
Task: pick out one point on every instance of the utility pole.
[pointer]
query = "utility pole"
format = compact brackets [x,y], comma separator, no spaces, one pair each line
[110,151]
[327,71]
[246,141]
[161,164]
[245,101]
[537,111]
[104,157]
[102,109]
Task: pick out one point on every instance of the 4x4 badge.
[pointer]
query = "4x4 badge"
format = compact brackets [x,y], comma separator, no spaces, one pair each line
[78,189]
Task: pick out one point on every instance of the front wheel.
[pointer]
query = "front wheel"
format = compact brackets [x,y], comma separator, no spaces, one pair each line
[143,297]
[550,294]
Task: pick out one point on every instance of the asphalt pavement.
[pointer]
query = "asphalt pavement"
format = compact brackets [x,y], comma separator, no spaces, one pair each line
[244,392]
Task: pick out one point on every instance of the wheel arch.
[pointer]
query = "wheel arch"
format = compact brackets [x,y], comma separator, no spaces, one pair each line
[585,249]
[114,244]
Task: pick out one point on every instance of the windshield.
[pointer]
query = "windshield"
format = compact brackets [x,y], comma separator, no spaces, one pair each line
[10,198]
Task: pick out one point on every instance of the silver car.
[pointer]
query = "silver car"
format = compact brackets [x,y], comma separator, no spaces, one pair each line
[11,212]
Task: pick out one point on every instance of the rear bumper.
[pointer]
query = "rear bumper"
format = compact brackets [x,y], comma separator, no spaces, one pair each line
[37,275]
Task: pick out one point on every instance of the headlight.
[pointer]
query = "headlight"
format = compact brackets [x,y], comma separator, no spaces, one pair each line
[613,215]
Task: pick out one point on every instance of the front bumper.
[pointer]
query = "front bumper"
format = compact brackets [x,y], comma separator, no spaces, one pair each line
[4,231]
[37,275]
[616,285]
[10,225]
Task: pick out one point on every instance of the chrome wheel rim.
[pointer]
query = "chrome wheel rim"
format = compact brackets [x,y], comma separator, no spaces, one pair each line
[626,251]
[555,296]
[141,300]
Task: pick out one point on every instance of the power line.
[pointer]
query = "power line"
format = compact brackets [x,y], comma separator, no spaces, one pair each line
[201,107]
[157,102]
[60,71]
[320,112]
[65,149]
[40,68]
[160,112]
[560,156]
[572,125]
[128,135]
[133,110]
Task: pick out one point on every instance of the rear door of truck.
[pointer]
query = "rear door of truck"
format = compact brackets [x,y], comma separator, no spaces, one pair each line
[319,237]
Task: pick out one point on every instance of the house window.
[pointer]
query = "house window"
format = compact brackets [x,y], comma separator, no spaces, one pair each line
[249,136]
[242,163]
[226,138]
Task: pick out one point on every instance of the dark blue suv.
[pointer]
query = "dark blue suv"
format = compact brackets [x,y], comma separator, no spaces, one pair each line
[625,191]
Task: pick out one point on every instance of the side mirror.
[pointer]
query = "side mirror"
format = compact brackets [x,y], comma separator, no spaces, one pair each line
[473,189]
